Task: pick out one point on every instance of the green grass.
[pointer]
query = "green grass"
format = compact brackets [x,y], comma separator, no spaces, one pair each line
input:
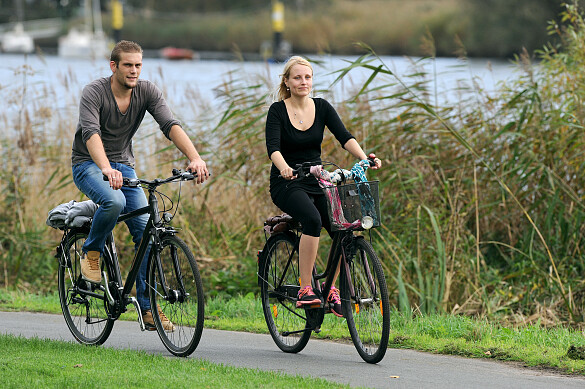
[36,363]
[533,345]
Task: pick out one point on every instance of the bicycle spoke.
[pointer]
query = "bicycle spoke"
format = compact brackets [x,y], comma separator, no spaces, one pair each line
[83,306]
[367,310]
[279,288]
[174,286]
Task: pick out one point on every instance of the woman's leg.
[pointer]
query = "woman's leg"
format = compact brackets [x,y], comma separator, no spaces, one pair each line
[308,247]
[300,206]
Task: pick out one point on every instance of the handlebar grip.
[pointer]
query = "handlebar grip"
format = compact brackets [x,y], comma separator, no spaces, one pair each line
[371,159]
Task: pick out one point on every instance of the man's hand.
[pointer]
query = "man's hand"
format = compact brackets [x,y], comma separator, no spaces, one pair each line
[114,177]
[199,167]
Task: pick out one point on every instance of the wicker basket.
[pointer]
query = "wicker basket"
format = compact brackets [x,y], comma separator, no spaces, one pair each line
[353,206]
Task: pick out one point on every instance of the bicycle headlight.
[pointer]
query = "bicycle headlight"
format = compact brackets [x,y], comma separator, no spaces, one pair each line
[167,217]
[367,222]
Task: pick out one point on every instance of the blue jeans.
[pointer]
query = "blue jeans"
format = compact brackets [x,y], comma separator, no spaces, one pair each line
[88,177]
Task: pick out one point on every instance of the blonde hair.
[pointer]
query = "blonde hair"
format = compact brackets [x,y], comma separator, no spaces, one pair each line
[283,92]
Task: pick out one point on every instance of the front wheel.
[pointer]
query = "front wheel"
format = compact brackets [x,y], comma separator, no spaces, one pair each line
[175,287]
[365,303]
[83,303]
[279,286]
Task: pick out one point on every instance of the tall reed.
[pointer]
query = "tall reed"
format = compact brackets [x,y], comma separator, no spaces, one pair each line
[481,190]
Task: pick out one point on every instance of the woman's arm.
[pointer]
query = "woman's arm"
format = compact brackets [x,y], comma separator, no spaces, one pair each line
[278,160]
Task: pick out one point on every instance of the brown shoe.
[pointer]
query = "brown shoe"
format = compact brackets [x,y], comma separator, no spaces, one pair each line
[149,321]
[90,267]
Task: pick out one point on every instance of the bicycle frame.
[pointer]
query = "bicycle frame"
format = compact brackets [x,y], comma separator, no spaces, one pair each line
[338,256]
[152,230]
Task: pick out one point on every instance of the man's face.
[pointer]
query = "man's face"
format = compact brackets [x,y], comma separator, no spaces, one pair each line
[127,71]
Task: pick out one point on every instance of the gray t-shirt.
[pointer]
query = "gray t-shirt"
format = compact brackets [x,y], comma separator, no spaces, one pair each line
[99,114]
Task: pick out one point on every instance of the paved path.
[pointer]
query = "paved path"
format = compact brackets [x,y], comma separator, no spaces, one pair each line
[329,360]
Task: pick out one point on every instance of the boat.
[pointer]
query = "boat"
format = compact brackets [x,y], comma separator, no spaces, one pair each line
[83,44]
[89,41]
[176,53]
[17,41]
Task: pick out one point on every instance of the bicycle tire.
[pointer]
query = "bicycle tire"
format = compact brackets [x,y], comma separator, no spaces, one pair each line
[86,315]
[279,286]
[367,311]
[183,303]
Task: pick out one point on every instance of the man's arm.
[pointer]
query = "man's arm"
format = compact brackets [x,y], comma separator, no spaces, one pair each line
[98,154]
[184,144]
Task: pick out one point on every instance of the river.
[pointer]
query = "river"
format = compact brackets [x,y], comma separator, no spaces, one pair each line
[40,83]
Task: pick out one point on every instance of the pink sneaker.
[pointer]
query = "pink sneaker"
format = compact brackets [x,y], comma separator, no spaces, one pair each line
[307,297]
[335,302]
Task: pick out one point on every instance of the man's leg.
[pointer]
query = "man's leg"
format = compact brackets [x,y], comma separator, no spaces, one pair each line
[136,199]
[87,176]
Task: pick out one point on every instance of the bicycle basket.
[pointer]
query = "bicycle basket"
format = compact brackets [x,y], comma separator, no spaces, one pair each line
[349,205]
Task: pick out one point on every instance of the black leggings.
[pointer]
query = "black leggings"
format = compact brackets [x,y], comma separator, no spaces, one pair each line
[309,209]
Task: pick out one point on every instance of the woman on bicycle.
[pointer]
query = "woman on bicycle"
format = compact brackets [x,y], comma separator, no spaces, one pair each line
[295,127]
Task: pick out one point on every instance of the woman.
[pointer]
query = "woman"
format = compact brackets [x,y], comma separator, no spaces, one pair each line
[295,126]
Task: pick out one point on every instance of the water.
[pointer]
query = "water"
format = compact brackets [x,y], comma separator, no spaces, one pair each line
[55,83]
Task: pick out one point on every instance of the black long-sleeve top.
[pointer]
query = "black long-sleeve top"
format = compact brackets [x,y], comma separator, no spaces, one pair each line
[298,146]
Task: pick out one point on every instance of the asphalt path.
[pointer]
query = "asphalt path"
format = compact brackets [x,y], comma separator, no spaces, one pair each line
[329,360]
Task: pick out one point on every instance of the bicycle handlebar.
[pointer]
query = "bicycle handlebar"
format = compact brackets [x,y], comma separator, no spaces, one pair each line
[178,175]
[304,169]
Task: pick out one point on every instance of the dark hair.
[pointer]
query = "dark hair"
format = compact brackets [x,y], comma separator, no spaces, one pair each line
[124,47]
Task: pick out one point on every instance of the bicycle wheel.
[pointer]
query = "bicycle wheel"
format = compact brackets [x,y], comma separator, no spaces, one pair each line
[365,302]
[174,285]
[83,303]
[279,287]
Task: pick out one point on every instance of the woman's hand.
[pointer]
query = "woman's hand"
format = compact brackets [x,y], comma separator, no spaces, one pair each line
[377,162]
[287,173]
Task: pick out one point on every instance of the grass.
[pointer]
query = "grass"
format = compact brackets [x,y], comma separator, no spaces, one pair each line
[36,363]
[533,345]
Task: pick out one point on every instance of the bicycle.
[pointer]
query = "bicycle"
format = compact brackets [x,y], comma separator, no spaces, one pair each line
[173,279]
[363,290]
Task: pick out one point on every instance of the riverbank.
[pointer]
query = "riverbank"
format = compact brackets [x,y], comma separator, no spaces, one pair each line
[445,28]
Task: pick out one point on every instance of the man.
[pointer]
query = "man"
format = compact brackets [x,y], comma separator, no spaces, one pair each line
[110,112]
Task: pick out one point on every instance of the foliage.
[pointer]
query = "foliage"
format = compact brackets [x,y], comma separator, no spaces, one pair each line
[481,190]
[497,28]
[502,28]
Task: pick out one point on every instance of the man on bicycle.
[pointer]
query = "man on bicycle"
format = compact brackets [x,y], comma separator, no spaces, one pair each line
[110,113]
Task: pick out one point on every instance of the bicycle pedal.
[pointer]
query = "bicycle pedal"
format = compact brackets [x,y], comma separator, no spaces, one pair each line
[313,306]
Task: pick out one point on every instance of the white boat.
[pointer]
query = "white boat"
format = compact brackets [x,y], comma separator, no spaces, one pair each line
[83,44]
[88,42]
[17,41]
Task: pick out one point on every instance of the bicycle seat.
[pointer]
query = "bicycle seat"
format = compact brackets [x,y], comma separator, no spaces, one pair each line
[280,223]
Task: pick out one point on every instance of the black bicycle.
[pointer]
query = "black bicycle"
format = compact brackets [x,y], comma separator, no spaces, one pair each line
[364,295]
[173,280]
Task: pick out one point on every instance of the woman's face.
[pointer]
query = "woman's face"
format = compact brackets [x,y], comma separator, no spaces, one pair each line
[300,80]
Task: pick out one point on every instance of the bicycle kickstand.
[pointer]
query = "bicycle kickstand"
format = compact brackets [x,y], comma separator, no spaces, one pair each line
[139,311]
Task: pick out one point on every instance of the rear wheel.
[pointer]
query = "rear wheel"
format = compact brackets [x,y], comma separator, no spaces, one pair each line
[365,302]
[83,303]
[175,287]
[279,286]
